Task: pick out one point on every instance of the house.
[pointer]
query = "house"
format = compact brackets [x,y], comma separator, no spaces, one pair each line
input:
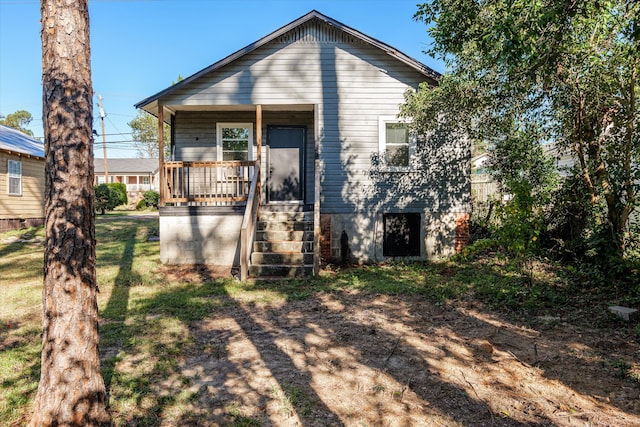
[290,150]
[479,163]
[21,180]
[137,174]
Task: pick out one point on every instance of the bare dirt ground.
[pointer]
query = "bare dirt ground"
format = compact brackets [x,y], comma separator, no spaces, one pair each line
[353,358]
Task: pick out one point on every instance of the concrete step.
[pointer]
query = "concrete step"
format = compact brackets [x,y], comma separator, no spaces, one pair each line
[281,236]
[282,258]
[285,247]
[285,216]
[285,225]
[280,270]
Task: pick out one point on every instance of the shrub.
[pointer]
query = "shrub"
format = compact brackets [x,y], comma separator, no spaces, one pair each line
[121,191]
[106,198]
[142,205]
[151,198]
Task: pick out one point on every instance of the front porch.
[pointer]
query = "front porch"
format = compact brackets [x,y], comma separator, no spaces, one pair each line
[210,209]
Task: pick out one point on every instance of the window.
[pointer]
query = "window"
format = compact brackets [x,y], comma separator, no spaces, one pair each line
[145,180]
[14,168]
[396,144]
[401,234]
[234,141]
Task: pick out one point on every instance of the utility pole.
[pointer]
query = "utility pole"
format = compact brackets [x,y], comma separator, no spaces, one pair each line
[104,141]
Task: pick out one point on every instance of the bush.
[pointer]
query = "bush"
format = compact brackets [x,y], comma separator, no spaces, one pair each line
[142,205]
[121,191]
[151,199]
[106,198]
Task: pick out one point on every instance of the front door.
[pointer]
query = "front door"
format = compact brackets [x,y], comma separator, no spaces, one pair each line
[286,164]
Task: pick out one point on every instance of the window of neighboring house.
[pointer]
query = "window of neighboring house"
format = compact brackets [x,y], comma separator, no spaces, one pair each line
[396,143]
[235,141]
[401,234]
[14,169]
[145,180]
[101,179]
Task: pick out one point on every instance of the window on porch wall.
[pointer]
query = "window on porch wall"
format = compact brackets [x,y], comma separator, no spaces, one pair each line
[234,140]
[234,143]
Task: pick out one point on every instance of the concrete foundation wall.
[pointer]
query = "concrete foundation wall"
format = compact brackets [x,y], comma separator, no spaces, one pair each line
[441,235]
[200,239]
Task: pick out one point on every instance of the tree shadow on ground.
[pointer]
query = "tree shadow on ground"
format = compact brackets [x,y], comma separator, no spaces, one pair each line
[343,351]
[114,315]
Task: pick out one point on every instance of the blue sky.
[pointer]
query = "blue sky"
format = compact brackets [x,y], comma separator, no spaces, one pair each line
[139,47]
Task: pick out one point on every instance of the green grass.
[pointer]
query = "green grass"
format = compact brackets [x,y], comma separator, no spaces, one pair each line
[146,318]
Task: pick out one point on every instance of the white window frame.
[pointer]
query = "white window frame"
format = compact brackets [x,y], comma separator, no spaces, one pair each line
[382,143]
[12,175]
[220,126]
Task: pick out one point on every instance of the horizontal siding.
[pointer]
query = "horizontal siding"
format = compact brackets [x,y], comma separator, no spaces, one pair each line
[195,136]
[353,84]
[31,203]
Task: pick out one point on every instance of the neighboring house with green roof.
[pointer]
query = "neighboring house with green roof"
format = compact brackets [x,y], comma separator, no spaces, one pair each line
[21,180]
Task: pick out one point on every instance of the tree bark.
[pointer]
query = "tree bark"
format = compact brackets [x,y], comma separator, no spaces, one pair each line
[71,391]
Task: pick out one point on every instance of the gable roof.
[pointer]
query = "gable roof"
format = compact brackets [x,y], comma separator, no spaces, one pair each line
[14,141]
[314,14]
[127,166]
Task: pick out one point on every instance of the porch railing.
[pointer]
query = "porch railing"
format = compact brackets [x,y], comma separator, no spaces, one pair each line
[214,183]
[247,231]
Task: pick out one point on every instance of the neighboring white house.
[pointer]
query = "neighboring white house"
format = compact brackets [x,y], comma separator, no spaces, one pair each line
[137,174]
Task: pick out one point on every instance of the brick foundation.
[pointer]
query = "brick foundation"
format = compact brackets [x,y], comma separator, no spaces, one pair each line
[325,237]
[462,231]
[19,224]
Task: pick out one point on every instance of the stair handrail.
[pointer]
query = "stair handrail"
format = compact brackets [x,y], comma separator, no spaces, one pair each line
[247,231]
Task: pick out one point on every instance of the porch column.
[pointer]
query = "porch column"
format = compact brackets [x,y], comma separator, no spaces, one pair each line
[161,150]
[259,145]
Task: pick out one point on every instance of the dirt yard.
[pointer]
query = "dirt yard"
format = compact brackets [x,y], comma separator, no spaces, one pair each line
[352,358]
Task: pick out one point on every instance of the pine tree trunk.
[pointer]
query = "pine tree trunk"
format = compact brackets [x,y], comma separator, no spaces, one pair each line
[71,391]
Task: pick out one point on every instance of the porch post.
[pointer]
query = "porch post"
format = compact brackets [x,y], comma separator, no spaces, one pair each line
[161,151]
[259,146]
[316,191]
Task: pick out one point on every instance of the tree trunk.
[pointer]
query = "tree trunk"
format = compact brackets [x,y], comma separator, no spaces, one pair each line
[71,391]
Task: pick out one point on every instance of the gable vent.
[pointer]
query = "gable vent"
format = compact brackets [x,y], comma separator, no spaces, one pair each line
[317,31]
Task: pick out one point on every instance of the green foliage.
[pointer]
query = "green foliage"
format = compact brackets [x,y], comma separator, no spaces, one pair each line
[525,73]
[151,198]
[106,198]
[18,120]
[120,189]
[109,196]
[520,223]
[141,205]
[144,128]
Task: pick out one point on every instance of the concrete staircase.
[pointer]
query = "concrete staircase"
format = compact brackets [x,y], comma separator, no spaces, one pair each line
[283,245]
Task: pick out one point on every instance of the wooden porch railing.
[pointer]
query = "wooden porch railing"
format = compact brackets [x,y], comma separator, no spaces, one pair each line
[215,183]
[247,231]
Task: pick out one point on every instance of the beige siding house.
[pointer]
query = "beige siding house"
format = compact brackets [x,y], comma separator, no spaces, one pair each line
[290,151]
[21,180]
